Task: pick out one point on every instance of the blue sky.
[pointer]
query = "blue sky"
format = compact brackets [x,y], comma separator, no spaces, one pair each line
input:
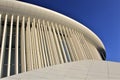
[101,16]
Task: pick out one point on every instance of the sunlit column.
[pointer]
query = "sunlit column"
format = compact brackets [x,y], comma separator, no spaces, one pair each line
[49,44]
[17,46]
[52,43]
[0,27]
[23,52]
[36,54]
[68,43]
[49,53]
[40,44]
[30,44]
[10,47]
[27,49]
[78,48]
[3,45]
[63,55]
[58,60]
[80,45]
[37,45]
[33,46]
[73,45]
[46,43]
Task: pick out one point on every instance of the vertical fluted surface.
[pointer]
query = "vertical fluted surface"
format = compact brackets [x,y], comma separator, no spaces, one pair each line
[29,43]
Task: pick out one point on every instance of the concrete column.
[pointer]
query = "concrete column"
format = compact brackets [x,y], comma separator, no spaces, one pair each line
[68,43]
[3,45]
[61,43]
[23,50]
[40,44]
[10,47]
[58,60]
[17,46]
[64,43]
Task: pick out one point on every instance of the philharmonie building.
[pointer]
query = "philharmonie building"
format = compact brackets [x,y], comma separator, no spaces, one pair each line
[40,44]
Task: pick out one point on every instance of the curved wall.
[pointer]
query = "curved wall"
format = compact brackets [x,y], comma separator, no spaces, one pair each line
[32,37]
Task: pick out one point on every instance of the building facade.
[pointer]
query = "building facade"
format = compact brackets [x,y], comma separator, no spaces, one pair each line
[32,37]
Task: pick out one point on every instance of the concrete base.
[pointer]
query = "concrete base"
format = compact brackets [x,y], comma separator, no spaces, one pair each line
[80,70]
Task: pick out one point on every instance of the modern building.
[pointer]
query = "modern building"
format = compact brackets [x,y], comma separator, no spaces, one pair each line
[34,40]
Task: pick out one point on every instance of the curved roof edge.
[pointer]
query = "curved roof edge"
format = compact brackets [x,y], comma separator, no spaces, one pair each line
[25,9]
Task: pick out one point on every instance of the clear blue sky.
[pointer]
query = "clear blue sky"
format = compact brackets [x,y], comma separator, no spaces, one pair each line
[101,16]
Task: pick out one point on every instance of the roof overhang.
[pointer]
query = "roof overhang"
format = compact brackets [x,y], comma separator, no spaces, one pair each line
[30,10]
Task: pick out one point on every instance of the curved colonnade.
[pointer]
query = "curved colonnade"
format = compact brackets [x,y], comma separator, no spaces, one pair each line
[29,43]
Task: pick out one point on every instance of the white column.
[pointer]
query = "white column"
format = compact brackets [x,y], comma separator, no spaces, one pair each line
[72,44]
[35,44]
[84,47]
[3,45]
[30,44]
[16,46]
[37,48]
[79,52]
[10,47]
[28,61]
[68,43]
[45,44]
[61,44]
[64,43]
[51,53]
[58,60]
[0,27]
[40,44]
[80,45]
[23,53]
[52,43]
